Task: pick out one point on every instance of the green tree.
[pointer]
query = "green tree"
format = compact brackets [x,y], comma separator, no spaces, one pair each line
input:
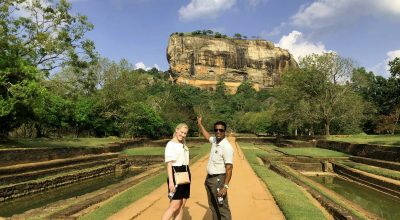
[245,98]
[36,37]
[47,34]
[237,35]
[395,67]
[142,120]
[319,92]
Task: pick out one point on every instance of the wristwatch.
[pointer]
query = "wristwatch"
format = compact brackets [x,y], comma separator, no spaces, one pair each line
[226,186]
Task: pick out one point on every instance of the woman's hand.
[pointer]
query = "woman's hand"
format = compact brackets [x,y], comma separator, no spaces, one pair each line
[171,187]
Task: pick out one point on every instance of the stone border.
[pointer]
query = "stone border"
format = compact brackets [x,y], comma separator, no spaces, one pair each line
[27,188]
[379,152]
[337,211]
[28,155]
[390,188]
[378,163]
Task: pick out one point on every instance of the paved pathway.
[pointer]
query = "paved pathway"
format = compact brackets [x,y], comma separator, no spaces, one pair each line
[248,196]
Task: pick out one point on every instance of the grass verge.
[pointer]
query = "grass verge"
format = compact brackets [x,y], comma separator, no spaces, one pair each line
[293,202]
[126,198]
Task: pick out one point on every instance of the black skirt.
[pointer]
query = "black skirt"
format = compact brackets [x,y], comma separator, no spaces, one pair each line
[181,191]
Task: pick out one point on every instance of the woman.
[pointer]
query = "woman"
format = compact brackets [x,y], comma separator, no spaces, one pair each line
[177,159]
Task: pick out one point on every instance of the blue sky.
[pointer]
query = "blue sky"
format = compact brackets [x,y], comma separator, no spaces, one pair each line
[368,31]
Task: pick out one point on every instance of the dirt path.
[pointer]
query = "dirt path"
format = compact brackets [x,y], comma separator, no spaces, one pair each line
[248,196]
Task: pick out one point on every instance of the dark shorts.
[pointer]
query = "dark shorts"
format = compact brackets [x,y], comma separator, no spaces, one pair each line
[182,191]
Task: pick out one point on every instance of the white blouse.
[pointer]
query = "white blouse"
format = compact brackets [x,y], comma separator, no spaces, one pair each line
[178,153]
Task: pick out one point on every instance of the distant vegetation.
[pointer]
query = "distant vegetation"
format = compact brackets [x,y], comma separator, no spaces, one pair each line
[213,34]
[53,83]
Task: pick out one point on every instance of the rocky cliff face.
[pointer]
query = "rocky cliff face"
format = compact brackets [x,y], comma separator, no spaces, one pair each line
[202,60]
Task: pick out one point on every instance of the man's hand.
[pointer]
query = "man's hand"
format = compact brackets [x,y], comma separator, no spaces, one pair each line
[222,192]
[203,131]
[199,119]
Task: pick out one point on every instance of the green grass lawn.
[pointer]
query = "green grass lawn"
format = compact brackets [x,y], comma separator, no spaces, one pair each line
[372,169]
[368,139]
[311,152]
[58,142]
[147,151]
[157,151]
[293,201]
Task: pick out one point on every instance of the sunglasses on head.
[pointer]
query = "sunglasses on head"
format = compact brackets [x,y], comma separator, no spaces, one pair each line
[220,130]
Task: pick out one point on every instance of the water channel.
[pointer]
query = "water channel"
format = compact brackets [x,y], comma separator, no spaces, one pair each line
[21,205]
[382,205]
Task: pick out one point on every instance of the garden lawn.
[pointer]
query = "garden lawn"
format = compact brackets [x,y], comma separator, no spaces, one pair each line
[147,151]
[311,152]
[159,151]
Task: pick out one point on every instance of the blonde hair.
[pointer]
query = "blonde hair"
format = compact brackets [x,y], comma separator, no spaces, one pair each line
[180,126]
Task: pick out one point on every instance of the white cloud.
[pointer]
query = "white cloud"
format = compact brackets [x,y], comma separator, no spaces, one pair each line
[255,3]
[141,65]
[275,31]
[393,54]
[327,13]
[382,68]
[299,47]
[204,9]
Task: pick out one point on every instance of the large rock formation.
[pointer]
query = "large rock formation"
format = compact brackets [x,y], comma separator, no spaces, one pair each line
[202,60]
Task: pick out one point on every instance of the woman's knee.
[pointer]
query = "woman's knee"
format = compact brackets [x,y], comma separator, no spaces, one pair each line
[176,205]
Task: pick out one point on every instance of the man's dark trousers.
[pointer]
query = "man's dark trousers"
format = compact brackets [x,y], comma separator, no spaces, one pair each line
[219,212]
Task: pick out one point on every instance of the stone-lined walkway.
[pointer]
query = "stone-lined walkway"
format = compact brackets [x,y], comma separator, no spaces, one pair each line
[248,196]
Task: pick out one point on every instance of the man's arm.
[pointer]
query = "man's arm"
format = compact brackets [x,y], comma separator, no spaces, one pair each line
[202,129]
[228,176]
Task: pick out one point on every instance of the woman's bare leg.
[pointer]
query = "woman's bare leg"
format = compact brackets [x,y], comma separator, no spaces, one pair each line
[174,206]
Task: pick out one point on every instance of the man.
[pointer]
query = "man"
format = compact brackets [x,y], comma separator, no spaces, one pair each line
[219,169]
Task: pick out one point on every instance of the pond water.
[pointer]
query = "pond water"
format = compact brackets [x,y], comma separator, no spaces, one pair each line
[382,205]
[21,205]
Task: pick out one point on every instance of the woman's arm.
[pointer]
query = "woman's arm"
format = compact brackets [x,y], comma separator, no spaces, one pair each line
[171,185]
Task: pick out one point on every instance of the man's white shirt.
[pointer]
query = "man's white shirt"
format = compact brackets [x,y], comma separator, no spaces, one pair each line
[221,154]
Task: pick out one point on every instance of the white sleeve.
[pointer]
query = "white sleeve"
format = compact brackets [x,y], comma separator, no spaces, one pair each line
[170,153]
[228,154]
[212,139]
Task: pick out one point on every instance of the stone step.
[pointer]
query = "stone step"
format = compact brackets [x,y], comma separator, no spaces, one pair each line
[31,175]
[28,167]
[11,191]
